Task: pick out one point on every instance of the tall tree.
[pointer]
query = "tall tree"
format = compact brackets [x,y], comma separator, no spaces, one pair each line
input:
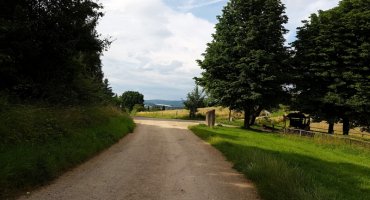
[50,50]
[332,63]
[244,64]
[131,98]
[195,99]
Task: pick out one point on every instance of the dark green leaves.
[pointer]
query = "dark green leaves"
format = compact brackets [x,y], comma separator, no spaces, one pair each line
[244,64]
[131,98]
[194,100]
[332,49]
[50,51]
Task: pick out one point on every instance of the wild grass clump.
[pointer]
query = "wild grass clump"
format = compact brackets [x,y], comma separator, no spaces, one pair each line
[291,167]
[39,143]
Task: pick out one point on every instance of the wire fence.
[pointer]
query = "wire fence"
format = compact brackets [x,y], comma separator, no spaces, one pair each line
[345,139]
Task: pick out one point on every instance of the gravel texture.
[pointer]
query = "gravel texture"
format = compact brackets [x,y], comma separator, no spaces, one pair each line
[161,160]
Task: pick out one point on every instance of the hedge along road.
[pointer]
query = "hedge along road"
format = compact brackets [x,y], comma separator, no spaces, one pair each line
[160,160]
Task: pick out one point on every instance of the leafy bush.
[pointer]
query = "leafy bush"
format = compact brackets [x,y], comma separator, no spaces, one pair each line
[137,108]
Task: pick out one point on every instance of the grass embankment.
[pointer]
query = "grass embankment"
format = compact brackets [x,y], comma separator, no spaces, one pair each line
[38,144]
[290,167]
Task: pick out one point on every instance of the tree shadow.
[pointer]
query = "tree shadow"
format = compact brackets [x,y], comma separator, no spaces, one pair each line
[209,133]
[284,175]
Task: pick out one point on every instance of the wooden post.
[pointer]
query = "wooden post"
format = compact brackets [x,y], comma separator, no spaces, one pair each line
[284,117]
[230,119]
[211,118]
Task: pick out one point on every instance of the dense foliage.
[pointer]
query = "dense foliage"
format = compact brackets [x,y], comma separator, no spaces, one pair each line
[131,98]
[50,51]
[244,64]
[194,100]
[333,65]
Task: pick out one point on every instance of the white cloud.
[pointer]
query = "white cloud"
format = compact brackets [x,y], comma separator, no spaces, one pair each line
[298,10]
[154,47]
[191,4]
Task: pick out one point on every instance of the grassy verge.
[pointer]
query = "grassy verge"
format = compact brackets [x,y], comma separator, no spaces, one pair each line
[290,167]
[38,143]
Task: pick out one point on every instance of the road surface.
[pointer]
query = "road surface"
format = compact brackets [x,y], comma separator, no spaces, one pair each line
[160,160]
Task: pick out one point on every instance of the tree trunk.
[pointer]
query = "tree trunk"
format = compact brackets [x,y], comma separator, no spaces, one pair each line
[253,120]
[191,114]
[345,126]
[255,114]
[331,127]
[247,117]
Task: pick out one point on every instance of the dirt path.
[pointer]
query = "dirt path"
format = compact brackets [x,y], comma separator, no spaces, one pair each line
[160,160]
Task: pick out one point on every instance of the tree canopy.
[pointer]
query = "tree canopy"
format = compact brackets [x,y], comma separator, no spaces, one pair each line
[332,64]
[195,99]
[50,51]
[131,98]
[244,64]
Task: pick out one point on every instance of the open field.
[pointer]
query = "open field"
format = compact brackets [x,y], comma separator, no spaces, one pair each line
[166,114]
[338,130]
[290,167]
[222,115]
[39,143]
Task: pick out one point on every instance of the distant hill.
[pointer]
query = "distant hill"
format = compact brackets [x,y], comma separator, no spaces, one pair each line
[178,104]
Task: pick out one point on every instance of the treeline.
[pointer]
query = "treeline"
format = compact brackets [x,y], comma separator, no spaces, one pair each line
[56,108]
[50,52]
[131,101]
[324,73]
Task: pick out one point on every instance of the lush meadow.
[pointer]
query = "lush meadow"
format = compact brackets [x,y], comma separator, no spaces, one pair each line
[291,167]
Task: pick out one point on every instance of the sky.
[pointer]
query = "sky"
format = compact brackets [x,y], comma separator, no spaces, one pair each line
[156,42]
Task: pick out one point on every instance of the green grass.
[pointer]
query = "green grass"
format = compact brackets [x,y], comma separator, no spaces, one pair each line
[38,144]
[235,122]
[293,168]
[282,110]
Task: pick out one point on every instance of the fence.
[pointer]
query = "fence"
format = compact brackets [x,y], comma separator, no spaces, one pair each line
[299,132]
[345,139]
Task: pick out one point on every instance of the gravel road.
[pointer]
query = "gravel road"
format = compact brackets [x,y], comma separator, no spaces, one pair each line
[160,160]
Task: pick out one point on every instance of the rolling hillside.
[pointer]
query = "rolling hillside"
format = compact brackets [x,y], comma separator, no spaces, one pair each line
[172,103]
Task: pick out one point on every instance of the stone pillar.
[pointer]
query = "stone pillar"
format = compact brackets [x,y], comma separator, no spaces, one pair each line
[211,118]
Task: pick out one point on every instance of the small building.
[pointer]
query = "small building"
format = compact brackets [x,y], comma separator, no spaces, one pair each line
[298,120]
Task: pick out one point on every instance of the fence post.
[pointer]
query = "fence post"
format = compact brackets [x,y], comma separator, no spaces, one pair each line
[211,118]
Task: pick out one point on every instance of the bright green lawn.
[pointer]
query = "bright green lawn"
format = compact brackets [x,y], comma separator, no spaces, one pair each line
[291,167]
